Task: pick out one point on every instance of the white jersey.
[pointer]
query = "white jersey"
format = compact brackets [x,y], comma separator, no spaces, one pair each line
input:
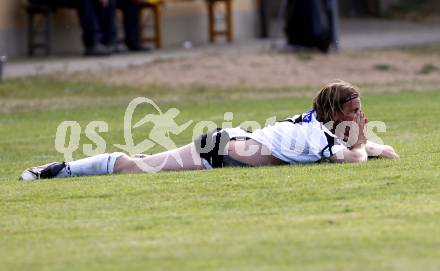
[302,139]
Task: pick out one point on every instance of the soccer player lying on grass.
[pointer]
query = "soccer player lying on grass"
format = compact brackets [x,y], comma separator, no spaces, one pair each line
[306,138]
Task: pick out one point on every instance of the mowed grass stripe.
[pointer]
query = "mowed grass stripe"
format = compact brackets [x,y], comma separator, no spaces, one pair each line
[383,215]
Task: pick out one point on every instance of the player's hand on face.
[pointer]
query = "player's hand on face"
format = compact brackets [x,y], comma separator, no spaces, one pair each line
[361,120]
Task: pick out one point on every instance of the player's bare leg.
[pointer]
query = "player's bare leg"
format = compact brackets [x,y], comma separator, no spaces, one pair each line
[183,158]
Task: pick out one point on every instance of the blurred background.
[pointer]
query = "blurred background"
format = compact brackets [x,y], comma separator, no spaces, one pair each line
[186,22]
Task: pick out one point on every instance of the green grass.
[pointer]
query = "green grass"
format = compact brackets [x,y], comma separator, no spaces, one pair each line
[382,215]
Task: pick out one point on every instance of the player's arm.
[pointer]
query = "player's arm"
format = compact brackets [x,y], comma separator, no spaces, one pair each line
[357,153]
[379,150]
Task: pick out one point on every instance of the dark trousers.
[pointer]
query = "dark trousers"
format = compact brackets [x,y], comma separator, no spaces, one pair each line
[97,22]
[131,15]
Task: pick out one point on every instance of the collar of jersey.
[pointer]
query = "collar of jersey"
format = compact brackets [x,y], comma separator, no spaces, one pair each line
[325,129]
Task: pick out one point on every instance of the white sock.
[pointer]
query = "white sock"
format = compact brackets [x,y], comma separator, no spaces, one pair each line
[101,164]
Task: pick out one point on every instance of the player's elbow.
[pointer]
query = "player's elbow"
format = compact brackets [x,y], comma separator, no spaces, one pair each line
[349,156]
[357,157]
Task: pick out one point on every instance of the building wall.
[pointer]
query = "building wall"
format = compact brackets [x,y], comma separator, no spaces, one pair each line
[181,21]
[10,19]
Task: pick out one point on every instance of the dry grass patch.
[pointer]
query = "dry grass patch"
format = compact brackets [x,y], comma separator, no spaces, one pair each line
[275,70]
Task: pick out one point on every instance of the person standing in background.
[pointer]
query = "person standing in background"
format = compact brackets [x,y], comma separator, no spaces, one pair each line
[131,20]
[98,23]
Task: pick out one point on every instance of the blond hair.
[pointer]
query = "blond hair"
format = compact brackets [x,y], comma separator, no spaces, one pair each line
[330,99]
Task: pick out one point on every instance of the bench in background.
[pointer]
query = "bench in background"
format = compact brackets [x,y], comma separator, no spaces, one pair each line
[40,38]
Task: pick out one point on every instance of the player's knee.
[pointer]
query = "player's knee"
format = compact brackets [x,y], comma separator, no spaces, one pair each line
[123,161]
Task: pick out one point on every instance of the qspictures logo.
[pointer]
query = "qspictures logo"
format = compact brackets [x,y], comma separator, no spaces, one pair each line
[164,124]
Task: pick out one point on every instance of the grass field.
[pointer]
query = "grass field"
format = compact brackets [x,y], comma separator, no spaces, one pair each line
[382,215]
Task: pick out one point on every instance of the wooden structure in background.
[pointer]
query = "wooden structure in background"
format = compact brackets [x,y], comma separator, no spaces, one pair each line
[40,38]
